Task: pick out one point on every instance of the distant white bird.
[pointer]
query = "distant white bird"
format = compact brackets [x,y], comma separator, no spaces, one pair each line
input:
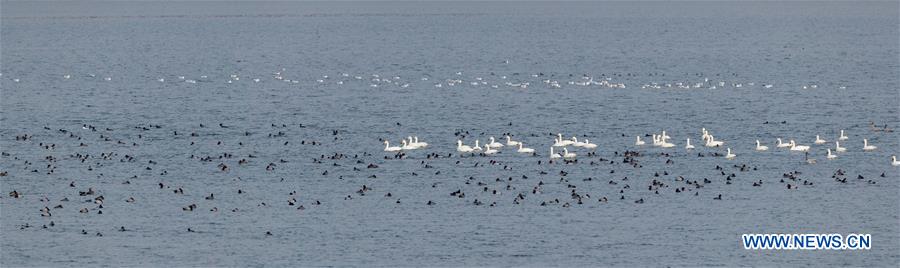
[511,142]
[558,143]
[782,145]
[661,141]
[476,148]
[588,144]
[490,151]
[689,146]
[563,141]
[493,144]
[819,140]
[867,147]
[567,154]
[760,147]
[462,148]
[524,150]
[894,161]
[838,148]
[729,155]
[389,148]
[577,143]
[843,137]
[407,146]
[798,148]
[830,156]
[712,142]
[553,155]
[419,144]
[639,142]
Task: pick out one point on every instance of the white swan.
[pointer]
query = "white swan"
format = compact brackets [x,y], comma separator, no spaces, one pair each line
[729,155]
[511,142]
[462,148]
[712,142]
[558,143]
[843,137]
[639,142]
[476,148]
[664,136]
[819,140]
[524,150]
[588,144]
[489,151]
[894,161]
[553,155]
[662,141]
[689,145]
[493,144]
[388,148]
[567,154]
[412,142]
[420,144]
[407,146]
[760,147]
[798,148]
[564,142]
[577,143]
[782,145]
[830,156]
[867,147]
[838,148]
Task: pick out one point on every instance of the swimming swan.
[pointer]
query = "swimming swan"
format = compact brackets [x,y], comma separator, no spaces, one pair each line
[729,155]
[562,141]
[867,147]
[838,148]
[588,144]
[558,143]
[420,144]
[689,146]
[663,143]
[462,148]
[830,156]
[577,143]
[712,142]
[407,146]
[567,154]
[489,151]
[511,142]
[798,148]
[524,150]
[819,140]
[843,137]
[493,144]
[894,161]
[760,147]
[388,148]
[639,142]
[782,145]
[476,148]
[553,155]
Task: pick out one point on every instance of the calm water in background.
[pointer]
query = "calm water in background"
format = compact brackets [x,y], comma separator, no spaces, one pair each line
[832,45]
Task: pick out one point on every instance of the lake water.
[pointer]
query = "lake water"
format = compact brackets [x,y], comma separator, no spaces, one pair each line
[335,79]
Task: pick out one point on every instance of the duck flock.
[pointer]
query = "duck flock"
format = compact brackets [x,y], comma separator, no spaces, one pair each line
[93,151]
